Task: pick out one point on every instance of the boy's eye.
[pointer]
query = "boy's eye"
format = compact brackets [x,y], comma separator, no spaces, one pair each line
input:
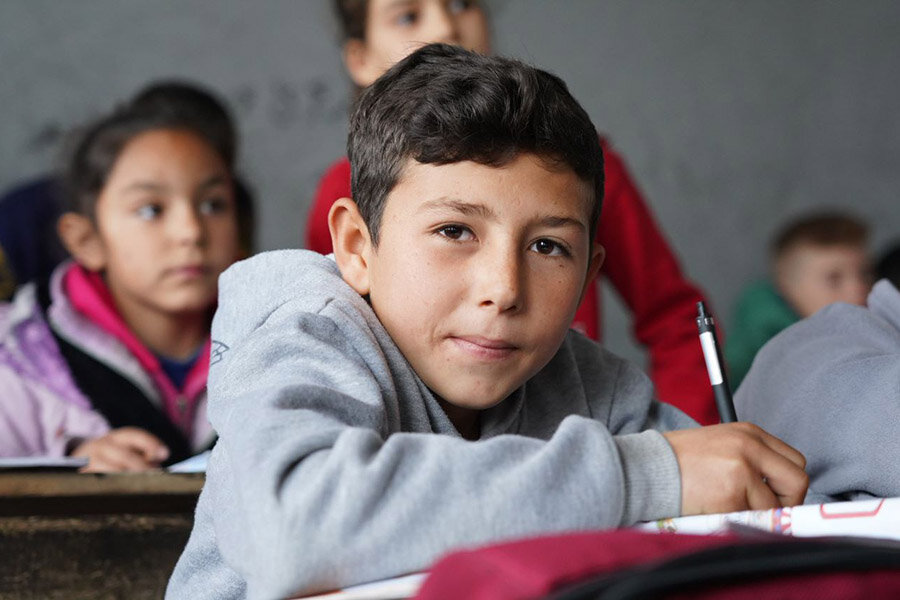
[458,6]
[549,248]
[455,232]
[148,212]
[214,206]
[835,279]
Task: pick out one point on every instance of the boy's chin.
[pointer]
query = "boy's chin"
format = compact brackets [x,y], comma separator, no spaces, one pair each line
[458,402]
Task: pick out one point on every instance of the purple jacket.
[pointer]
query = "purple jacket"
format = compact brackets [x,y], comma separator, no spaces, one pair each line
[41,408]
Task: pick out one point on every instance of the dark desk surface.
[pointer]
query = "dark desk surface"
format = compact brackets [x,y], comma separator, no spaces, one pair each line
[71,535]
[24,493]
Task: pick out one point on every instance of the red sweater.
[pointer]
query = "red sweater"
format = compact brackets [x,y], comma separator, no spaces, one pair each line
[641,267]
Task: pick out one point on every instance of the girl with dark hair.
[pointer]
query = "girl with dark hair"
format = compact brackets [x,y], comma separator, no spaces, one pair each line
[640,264]
[108,359]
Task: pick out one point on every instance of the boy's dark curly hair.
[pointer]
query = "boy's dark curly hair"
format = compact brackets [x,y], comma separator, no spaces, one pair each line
[442,104]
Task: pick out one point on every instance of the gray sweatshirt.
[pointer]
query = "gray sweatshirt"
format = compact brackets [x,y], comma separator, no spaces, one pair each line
[830,386]
[336,465]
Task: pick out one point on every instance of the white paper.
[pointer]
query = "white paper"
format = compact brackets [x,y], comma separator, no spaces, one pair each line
[387,589]
[42,463]
[194,464]
[877,518]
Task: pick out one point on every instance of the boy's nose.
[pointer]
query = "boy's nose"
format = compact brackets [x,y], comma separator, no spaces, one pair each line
[500,282]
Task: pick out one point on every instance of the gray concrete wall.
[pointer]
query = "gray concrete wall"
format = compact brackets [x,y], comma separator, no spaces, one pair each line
[733,116]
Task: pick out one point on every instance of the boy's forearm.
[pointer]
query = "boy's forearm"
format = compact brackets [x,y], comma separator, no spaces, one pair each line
[366,508]
[335,465]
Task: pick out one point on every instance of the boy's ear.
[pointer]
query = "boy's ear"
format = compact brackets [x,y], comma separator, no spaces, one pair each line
[352,243]
[82,240]
[598,254]
[359,63]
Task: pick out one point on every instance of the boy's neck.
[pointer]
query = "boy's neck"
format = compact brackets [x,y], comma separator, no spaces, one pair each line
[467,421]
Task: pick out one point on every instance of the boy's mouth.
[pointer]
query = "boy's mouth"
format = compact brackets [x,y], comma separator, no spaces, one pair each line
[484,348]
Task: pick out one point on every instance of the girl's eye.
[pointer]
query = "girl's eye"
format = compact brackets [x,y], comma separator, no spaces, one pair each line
[213,206]
[148,212]
[455,232]
[406,18]
[549,248]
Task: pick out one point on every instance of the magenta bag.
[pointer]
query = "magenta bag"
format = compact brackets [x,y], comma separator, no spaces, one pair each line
[624,564]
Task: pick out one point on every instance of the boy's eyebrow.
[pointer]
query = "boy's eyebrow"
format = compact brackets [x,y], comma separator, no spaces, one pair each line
[466,208]
[485,212]
[562,222]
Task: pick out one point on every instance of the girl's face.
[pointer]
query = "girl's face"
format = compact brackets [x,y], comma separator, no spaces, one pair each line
[166,224]
[395,28]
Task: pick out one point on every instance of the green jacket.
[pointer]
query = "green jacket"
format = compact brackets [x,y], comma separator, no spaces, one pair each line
[761,313]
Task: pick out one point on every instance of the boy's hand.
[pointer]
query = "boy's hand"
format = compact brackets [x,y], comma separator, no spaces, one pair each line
[736,466]
[123,449]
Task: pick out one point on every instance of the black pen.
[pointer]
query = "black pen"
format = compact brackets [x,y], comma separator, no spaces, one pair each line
[713,357]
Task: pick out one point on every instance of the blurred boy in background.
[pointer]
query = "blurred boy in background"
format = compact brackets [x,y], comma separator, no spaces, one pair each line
[817,260]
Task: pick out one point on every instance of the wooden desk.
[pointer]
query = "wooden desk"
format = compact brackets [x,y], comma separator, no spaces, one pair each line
[71,535]
[25,493]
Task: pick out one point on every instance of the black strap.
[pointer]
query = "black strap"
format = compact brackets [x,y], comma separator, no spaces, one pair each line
[120,401]
[737,564]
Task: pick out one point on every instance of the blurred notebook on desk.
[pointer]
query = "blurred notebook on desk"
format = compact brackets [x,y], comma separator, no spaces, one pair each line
[387,589]
[42,463]
[194,464]
[876,518]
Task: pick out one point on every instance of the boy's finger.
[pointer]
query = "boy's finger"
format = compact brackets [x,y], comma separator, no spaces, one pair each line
[790,495]
[783,477]
[760,496]
[784,449]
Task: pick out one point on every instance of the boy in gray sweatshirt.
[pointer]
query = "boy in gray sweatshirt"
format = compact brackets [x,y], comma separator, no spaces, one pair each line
[420,389]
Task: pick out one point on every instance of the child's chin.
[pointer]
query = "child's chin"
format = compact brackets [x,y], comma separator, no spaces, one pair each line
[482,403]
[189,306]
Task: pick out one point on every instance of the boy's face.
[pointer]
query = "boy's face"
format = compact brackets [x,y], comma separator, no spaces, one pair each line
[478,272]
[395,28]
[811,276]
[166,224]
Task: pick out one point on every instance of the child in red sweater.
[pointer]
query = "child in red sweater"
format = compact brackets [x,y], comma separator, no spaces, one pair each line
[639,264]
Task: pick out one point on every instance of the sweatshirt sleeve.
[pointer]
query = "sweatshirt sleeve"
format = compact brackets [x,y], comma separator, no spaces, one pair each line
[829,386]
[312,490]
[643,269]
